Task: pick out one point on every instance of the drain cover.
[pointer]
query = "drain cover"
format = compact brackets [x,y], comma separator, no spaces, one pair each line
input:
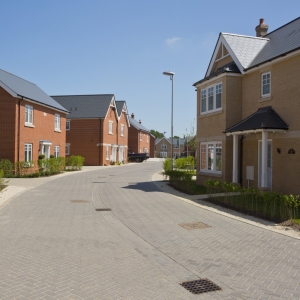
[79,201]
[195,225]
[102,209]
[200,286]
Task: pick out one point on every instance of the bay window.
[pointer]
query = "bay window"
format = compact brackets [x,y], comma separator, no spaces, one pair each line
[211,99]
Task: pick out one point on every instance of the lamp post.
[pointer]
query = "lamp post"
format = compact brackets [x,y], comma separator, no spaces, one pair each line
[171,74]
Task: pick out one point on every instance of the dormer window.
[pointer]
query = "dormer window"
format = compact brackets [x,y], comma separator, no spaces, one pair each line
[266,84]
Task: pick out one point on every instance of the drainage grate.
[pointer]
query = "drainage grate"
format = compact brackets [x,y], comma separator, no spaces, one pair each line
[200,286]
[102,209]
[79,201]
[195,225]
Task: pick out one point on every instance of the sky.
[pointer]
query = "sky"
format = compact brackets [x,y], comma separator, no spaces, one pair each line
[122,47]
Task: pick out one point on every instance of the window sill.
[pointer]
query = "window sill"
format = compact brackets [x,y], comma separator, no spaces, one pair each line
[215,112]
[219,175]
[29,125]
[263,99]
[110,133]
[57,130]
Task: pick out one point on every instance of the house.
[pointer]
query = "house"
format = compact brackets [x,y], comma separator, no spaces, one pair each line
[248,106]
[139,137]
[163,147]
[31,122]
[97,128]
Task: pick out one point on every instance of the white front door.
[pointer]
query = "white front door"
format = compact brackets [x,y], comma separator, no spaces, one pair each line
[121,154]
[114,154]
[46,150]
[269,164]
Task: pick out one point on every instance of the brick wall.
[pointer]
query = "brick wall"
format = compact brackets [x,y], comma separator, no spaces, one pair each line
[43,128]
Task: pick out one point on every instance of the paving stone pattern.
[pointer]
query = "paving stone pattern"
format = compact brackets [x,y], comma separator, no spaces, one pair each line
[52,248]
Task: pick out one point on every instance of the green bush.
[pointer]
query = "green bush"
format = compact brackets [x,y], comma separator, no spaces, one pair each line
[2,180]
[74,162]
[7,167]
[185,163]
[270,205]
[167,165]
[24,167]
[182,180]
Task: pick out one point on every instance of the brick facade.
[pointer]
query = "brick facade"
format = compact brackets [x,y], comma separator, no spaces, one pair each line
[15,133]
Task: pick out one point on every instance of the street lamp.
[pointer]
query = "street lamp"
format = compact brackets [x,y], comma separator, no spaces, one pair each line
[171,74]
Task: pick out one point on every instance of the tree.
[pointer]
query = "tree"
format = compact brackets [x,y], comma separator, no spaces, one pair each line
[157,134]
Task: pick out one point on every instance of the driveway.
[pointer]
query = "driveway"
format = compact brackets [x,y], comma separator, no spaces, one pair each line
[111,233]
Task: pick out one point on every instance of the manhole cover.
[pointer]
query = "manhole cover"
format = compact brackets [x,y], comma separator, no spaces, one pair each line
[195,225]
[79,201]
[200,286]
[102,209]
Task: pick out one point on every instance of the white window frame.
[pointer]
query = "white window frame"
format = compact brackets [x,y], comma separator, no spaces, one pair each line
[68,125]
[141,136]
[68,148]
[110,127]
[56,151]
[57,122]
[204,147]
[27,152]
[268,82]
[204,98]
[122,130]
[145,150]
[163,154]
[147,138]
[28,115]
[107,152]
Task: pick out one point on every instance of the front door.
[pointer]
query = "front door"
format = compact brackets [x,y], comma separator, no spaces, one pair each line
[121,155]
[269,164]
[46,150]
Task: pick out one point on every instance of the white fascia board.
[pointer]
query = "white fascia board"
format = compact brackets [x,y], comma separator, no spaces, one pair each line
[255,131]
[221,41]
[112,104]
[10,91]
[217,77]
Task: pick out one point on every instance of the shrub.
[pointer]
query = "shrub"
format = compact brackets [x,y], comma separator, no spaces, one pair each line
[7,167]
[24,167]
[2,180]
[167,165]
[74,162]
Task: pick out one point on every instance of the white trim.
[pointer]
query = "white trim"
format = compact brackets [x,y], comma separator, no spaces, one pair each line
[110,124]
[216,78]
[255,131]
[206,89]
[122,127]
[57,122]
[214,143]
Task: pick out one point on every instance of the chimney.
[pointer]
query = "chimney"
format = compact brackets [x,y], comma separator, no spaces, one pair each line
[261,29]
[140,121]
[132,115]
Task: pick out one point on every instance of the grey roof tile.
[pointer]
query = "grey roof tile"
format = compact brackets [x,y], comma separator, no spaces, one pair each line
[28,90]
[137,125]
[120,105]
[85,106]
[263,118]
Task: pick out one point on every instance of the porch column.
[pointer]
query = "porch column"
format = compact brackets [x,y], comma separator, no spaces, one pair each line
[264,158]
[235,158]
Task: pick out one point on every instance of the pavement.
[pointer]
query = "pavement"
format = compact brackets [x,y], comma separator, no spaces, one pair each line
[56,245]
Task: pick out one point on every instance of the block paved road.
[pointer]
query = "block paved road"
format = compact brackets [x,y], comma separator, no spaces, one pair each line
[55,245]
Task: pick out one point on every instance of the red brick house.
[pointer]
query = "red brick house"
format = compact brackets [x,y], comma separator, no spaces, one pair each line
[139,139]
[97,128]
[31,122]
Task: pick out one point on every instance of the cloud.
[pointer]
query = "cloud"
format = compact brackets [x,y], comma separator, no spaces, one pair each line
[172,41]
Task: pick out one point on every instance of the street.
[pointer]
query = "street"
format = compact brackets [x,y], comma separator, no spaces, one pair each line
[111,233]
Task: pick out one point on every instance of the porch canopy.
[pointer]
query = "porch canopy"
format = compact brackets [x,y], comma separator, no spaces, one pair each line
[264,120]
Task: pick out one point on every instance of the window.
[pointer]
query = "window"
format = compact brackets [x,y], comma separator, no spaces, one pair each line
[211,98]
[27,152]
[147,138]
[211,157]
[163,146]
[107,153]
[141,136]
[145,150]
[110,127]
[163,154]
[28,115]
[67,149]
[122,130]
[265,84]
[67,125]
[57,122]
[56,151]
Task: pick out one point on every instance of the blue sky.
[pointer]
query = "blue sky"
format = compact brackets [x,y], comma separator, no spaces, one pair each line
[123,46]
